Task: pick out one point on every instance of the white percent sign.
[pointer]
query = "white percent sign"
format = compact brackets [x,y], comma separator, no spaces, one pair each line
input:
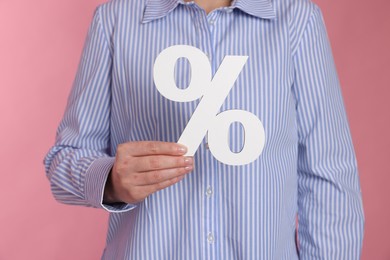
[213,91]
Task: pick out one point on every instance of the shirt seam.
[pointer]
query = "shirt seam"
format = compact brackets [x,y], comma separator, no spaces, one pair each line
[101,28]
[300,37]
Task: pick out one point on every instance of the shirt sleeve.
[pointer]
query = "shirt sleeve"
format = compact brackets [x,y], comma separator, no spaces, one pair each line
[79,163]
[330,211]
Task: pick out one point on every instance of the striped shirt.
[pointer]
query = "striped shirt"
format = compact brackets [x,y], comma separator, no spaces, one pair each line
[307,168]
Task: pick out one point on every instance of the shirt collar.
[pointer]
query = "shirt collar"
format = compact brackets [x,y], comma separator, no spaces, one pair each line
[258,8]
[156,9]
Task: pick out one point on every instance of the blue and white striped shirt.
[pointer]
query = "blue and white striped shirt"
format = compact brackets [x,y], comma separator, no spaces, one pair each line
[307,168]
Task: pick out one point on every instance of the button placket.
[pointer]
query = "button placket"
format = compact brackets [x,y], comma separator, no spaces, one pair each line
[209,198]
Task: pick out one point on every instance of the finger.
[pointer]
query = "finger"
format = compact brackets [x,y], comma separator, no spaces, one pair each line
[153,177]
[144,148]
[160,162]
[162,185]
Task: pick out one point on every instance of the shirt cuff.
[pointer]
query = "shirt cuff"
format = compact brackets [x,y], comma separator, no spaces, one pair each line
[95,182]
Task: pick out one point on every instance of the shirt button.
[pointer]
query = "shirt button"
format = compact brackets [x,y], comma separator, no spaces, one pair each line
[210,238]
[212,21]
[206,145]
[209,191]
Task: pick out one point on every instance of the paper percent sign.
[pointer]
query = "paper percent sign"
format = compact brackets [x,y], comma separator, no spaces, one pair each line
[213,91]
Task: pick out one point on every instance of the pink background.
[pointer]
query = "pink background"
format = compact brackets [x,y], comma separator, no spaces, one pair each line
[40,46]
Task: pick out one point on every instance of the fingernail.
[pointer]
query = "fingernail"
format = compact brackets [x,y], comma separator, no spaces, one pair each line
[188,168]
[182,149]
[188,160]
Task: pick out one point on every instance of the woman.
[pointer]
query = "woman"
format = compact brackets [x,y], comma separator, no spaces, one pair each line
[116,145]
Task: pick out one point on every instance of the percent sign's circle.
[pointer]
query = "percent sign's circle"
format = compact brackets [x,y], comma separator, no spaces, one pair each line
[218,136]
[164,71]
[213,92]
